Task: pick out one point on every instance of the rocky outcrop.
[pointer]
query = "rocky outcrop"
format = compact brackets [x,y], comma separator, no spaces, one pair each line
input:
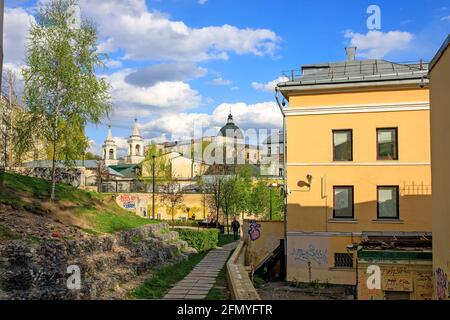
[40,270]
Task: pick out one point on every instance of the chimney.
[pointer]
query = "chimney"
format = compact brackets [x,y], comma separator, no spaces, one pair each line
[351,53]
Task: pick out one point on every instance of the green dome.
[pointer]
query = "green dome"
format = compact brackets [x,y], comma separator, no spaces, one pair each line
[230,130]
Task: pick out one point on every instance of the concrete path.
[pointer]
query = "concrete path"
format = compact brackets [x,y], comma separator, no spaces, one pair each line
[196,285]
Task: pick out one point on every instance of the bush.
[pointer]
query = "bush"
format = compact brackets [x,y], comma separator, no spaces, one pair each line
[201,240]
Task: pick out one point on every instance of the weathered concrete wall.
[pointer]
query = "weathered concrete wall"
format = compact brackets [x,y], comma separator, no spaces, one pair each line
[412,278]
[39,271]
[261,238]
[239,283]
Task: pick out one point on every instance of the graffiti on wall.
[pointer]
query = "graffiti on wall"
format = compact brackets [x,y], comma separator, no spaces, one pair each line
[441,284]
[127,201]
[254,231]
[311,254]
[63,175]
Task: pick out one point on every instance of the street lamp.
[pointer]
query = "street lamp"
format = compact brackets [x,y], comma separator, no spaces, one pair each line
[281,106]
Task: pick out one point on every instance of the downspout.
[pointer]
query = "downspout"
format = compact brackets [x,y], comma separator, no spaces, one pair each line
[285,191]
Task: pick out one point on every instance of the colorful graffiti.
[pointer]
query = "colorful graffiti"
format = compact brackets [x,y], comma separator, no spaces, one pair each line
[311,254]
[441,284]
[127,201]
[254,231]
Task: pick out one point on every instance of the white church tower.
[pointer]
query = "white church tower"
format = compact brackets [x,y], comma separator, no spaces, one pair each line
[110,150]
[135,146]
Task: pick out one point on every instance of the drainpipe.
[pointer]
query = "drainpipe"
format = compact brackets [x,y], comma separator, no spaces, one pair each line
[280,106]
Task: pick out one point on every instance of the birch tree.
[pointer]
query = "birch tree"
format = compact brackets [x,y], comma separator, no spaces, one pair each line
[62,91]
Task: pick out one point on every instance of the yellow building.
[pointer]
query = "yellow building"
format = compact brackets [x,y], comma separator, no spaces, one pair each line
[440,137]
[358,160]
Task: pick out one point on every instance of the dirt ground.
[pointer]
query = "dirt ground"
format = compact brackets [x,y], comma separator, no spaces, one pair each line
[283,291]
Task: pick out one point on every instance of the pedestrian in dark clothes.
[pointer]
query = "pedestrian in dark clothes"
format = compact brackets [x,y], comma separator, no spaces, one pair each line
[235,226]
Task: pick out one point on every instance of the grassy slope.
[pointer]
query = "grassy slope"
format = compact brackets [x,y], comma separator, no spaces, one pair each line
[97,212]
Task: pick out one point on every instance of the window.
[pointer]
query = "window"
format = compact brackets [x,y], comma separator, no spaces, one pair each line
[343,260]
[343,203]
[387,144]
[342,145]
[388,198]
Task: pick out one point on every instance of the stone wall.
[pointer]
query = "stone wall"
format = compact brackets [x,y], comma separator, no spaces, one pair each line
[39,270]
[239,282]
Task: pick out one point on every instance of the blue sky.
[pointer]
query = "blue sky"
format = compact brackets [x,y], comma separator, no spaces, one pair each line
[175,63]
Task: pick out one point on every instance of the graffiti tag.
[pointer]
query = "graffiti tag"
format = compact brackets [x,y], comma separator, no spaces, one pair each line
[441,284]
[254,231]
[311,254]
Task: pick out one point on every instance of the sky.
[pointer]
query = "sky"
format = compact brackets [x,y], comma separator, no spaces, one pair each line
[176,64]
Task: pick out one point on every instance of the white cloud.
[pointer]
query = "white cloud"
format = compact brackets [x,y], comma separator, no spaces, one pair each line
[269,86]
[173,125]
[114,64]
[377,44]
[133,101]
[150,35]
[220,82]
[202,1]
[168,72]
[447,18]
[17,23]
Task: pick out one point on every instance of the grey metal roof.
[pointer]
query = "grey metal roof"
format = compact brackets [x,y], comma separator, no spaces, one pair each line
[355,71]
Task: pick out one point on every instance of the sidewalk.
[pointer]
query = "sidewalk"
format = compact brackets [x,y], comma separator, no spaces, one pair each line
[196,285]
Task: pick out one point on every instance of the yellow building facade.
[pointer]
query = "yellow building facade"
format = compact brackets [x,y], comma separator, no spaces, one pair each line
[440,150]
[358,160]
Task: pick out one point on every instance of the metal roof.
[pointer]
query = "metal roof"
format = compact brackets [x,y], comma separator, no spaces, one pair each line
[355,71]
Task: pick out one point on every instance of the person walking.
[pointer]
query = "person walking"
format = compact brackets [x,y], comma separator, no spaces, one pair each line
[235,226]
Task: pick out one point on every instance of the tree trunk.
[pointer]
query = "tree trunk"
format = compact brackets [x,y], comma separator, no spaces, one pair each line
[228,226]
[55,142]
[173,218]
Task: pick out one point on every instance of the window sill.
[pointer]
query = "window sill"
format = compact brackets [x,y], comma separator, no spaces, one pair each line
[389,221]
[342,221]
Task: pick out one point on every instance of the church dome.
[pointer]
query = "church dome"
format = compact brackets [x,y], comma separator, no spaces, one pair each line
[230,130]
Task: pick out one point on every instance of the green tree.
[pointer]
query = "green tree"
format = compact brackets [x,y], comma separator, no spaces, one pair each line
[62,92]
[173,197]
[261,197]
[213,191]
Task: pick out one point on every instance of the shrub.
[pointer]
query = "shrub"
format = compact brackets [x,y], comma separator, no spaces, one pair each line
[201,240]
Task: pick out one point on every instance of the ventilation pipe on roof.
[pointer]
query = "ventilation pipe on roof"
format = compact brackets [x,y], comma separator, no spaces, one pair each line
[351,53]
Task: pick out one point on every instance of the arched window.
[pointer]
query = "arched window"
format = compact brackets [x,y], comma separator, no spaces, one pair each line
[111,154]
[138,150]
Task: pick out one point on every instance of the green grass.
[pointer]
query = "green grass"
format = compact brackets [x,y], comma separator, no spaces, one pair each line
[7,234]
[98,213]
[165,277]
[225,239]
